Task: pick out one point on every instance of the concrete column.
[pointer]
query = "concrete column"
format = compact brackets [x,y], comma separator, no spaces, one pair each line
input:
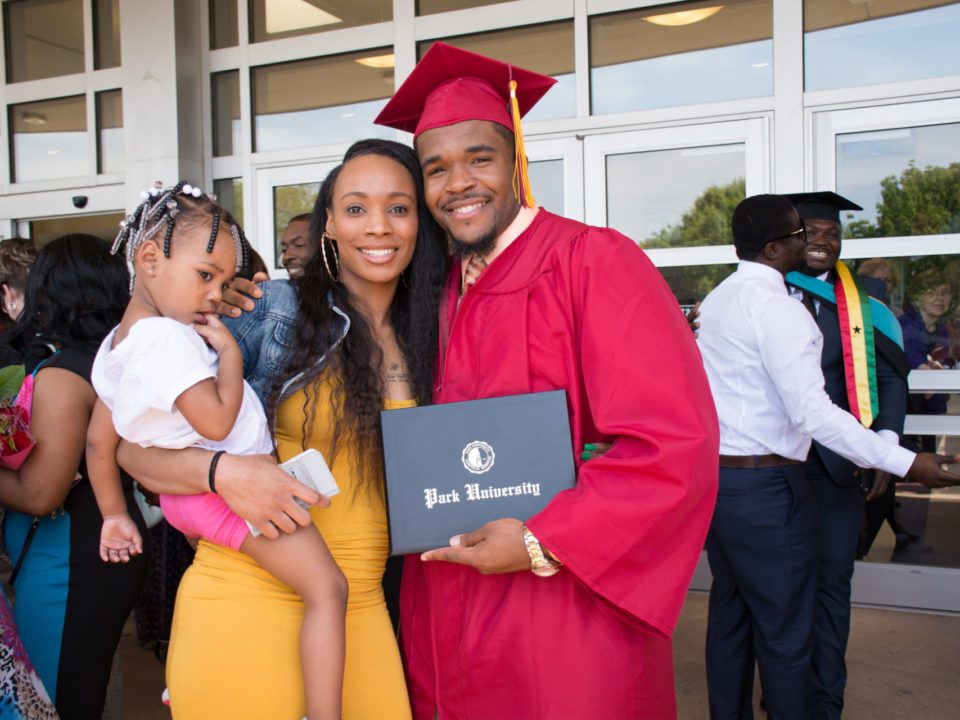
[788,154]
[162,81]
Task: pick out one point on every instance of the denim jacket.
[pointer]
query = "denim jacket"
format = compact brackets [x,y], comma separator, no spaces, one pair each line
[267,333]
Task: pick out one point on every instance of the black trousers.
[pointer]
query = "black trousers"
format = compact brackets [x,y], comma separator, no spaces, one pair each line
[762,552]
[839,509]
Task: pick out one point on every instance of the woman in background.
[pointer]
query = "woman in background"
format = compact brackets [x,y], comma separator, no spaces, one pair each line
[926,338]
[17,256]
[70,606]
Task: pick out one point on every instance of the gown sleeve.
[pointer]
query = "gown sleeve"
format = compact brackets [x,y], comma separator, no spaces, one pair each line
[633,527]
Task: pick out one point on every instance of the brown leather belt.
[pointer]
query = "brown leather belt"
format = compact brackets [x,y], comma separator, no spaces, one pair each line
[755,461]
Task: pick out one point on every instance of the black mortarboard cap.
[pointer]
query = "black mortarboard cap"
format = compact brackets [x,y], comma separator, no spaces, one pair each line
[825,205]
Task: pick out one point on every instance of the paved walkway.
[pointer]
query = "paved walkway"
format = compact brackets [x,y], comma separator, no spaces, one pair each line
[902,666]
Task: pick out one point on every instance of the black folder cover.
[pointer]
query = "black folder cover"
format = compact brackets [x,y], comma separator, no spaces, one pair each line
[451,468]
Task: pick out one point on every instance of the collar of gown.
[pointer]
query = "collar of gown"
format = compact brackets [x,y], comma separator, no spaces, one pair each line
[520,262]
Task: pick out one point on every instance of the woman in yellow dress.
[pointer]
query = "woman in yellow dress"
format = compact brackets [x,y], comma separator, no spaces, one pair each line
[355,334]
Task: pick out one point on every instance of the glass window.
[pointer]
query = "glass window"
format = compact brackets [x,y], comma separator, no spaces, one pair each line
[691,283]
[927,286]
[923,293]
[49,139]
[106,37]
[288,202]
[225,99]
[431,7]
[229,194]
[273,19]
[916,526]
[546,49]
[906,179]
[322,100]
[676,198]
[681,54]
[880,41]
[546,181]
[44,38]
[224,24]
[103,226]
[110,132]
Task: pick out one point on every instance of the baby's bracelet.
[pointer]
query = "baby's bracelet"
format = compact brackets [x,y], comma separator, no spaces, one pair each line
[213,470]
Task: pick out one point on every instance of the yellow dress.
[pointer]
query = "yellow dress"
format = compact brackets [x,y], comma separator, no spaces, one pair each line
[234,643]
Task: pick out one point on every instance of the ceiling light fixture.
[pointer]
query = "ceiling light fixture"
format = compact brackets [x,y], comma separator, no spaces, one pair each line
[683,17]
[293,15]
[377,61]
[33,118]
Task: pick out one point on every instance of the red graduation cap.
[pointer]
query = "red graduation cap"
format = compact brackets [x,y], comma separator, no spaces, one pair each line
[450,85]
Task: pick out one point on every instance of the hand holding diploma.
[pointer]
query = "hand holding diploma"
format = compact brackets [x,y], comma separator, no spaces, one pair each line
[497,547]
[504,551]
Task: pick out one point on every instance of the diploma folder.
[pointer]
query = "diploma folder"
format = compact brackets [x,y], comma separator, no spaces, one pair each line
[451,468]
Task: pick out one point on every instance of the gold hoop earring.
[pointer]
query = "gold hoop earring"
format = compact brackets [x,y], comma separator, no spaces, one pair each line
[336,258]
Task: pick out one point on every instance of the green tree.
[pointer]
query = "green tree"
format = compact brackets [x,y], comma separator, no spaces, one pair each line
[915,202]
[860,229]
[238,201]
[707,222]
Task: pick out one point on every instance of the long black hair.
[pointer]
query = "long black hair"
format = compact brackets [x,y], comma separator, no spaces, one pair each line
[76,293]
[357,387]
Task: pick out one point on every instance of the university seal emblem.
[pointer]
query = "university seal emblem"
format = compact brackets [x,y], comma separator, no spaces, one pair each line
[477,457]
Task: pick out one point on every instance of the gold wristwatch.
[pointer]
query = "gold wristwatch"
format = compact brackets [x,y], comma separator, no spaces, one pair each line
[540,564]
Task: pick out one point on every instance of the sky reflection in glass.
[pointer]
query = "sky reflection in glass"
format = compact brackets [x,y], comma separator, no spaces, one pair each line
[546,181]
[320,126]
[649,191]
[866,158]
[733,72]
[911,46]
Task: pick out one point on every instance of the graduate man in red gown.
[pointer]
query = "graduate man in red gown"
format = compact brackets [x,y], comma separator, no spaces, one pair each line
[538,302]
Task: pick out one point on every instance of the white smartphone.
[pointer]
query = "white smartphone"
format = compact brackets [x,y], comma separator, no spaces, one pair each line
[311,469]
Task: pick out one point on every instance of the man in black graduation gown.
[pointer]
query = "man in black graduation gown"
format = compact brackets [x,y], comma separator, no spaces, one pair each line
[836,481]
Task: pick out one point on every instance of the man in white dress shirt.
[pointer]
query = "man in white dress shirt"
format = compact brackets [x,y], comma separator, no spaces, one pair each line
[761,350]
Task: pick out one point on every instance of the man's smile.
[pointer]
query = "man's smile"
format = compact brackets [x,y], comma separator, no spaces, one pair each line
[466,207]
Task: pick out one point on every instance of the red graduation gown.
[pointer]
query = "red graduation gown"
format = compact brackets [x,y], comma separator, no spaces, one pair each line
[581,308]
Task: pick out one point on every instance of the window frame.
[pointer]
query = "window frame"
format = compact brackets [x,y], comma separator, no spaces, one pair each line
[88,83]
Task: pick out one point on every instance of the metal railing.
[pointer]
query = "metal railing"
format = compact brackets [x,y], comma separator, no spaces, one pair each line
[940,381]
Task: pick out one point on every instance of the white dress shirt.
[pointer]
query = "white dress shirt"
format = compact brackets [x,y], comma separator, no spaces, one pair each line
[761,350]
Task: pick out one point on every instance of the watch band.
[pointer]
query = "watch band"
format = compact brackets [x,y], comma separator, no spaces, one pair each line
[540,564]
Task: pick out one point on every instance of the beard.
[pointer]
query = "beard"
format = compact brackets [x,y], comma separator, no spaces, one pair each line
[481,246]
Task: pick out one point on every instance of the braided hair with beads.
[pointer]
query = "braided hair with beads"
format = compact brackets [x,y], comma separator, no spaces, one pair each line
[167,208]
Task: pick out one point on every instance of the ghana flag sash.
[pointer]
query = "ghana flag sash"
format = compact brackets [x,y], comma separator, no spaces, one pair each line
[856,336]
[861,319]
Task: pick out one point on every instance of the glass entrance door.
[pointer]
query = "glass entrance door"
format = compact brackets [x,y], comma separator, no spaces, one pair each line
[902,164]
[673,190]
[556,175]
[281,194]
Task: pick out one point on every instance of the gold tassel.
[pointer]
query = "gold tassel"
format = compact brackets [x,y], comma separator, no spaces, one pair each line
[521,176]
